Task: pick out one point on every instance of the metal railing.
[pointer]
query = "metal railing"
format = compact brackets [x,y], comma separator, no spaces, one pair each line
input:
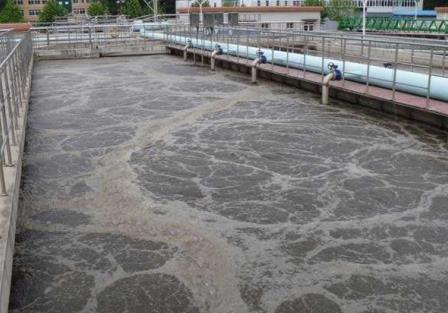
[90,37]
[414,55]
[15,81]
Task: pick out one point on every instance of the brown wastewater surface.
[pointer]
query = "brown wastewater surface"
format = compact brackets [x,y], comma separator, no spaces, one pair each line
[152,185]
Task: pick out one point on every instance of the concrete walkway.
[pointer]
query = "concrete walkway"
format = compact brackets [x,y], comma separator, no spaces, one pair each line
[151,185]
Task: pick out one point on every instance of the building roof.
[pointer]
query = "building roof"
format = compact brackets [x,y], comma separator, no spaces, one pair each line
[251,9]
[411,12]
[18,27]
[442,9]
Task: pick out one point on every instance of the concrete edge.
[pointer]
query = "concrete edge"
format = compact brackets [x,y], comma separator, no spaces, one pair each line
[67,54]
[9,204]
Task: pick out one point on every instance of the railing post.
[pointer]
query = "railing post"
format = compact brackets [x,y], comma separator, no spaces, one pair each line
[4,130]
[368,65]
[394,82]
[238,47]
[90,39]
[305,52]
[428,91]
[343,50]
[48,37]
[323,59]
[287,53]
[8,106]
[2,181]
[12,91]
[272,49]
[18,77]
[443,62]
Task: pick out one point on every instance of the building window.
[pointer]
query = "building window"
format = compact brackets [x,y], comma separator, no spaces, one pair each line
[19,2]
[34,1]
[33,12]
[277,3]
[265,25]
[267,3]
[308,27]
[286,3]
[289,25]
[44,1]
[258,3]
[79,11]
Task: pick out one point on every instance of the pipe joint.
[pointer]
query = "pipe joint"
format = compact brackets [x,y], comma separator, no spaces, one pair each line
[212,59]
[326,86]
[254,70]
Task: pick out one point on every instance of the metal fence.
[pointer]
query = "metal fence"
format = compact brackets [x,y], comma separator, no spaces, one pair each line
[7,39]
[15,80]
[415,55]
[90,38]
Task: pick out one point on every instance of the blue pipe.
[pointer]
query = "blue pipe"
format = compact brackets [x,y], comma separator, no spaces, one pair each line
[410,82]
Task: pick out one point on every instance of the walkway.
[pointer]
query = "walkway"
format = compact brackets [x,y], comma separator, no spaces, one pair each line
[151,185]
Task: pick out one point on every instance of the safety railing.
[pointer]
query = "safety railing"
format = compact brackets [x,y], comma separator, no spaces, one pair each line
[6,43]
[77,35]
[90,38]
[428,57]
[15,81]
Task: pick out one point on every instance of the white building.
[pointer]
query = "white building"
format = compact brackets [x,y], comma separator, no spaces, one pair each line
[268,17]
[375,7]
[442,13]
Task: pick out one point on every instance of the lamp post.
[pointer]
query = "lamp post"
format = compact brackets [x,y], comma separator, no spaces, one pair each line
[416,2]
[200,3]
[201,17]
[364,12]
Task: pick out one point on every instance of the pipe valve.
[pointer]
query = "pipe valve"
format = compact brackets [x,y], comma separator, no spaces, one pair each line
[261,56]
[333,68]
[218,49]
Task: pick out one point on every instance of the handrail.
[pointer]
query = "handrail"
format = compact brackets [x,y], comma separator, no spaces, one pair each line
[415,68]
[15,82]
[340,35]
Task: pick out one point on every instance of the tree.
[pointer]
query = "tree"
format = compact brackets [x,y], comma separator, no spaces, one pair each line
[11,13]
[112,6]
[132,8]
[96,9]
[230,3]
[317,3]
[197,3]
[338,9]
[50,11]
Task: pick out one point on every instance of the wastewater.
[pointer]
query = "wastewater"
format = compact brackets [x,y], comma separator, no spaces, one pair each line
[155,185]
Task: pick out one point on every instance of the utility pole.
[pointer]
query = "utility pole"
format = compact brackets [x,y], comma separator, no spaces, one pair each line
[155,9]
[364,13]
[416,8]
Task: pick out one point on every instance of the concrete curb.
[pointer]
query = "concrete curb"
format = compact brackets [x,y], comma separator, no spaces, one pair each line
[9,204]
